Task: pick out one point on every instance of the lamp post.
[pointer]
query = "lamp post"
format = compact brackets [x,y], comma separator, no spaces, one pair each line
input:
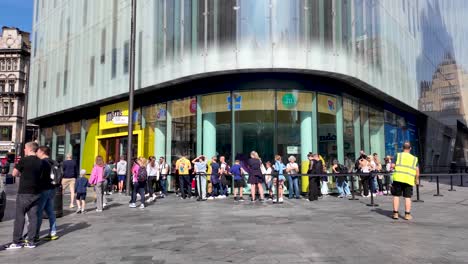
[131,94]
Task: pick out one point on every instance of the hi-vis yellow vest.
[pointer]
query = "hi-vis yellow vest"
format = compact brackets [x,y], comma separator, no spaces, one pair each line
[405,168]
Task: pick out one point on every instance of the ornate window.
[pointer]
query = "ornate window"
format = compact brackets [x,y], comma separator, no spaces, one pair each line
[8,62]
[2,65]
[15,64]
[2,86]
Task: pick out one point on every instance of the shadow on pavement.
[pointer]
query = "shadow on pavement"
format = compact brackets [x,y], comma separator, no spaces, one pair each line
[383,212]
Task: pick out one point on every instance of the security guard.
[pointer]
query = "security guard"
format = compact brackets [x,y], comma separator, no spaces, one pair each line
[405,176]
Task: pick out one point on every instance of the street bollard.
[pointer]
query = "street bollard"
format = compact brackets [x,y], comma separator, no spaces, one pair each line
[451,185]
[438,191]
[353,198]
[417,196]
[200,196]
[461,180]
[372,204]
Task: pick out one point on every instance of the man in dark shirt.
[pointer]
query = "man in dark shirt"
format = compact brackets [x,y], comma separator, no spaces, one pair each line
[30,170]
[46,202]
[315,167]
[70,173]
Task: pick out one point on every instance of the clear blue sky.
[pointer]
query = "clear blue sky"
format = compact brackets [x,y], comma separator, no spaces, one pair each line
[16,13]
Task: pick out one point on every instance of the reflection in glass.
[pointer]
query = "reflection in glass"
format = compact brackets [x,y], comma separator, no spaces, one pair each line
[184,124]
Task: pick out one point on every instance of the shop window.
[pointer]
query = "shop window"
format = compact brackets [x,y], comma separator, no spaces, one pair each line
[326,106]
[6,133]
[184,127]
[350,108]
[254,123]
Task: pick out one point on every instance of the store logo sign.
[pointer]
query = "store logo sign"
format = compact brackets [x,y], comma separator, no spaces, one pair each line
[331,105]
[237,102]
[193,106]
[289,100]
[110,115]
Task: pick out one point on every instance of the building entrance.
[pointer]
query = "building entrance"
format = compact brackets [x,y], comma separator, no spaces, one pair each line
[113,148]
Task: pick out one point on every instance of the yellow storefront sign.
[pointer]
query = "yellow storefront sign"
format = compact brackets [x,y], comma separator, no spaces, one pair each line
[109,112]
[326,104]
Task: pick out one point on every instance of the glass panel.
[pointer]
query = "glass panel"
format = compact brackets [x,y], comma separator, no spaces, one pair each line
[326,105]
[184,127]
[348,128]
[60,146]
[376,131]
[294,115]
[254,123]
[217,131]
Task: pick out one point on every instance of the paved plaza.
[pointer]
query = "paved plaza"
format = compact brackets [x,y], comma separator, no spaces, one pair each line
[331,230]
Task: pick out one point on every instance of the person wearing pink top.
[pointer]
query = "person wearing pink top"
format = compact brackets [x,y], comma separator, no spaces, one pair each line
[97,179]
[135,169]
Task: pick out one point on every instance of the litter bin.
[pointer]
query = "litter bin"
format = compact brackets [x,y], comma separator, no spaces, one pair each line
[58,202]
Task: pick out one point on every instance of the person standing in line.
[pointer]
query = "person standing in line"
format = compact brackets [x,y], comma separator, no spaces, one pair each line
[255,175]
[163,172]
[31,171]
[139,183]
[46,202]
[315,167]
[70,171]
[292,169]
[97,179]
[214,178]
[341,181]
[224,171]
[373,169]
[153,177]
[365,168]
[405,176]
[388,170]
[200,172]
[112,178]
[324,186]
[267,170]
[121,173]
[378,177]
[239,182]
[183,166]
[81,189]
[279,168]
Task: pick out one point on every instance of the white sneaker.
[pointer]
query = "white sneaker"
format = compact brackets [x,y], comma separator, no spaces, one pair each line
[222,197]
[132,205]
[98,210]
[104,205]
[210,198]
[142,206]
[149,200]
[281,200]
[14,246]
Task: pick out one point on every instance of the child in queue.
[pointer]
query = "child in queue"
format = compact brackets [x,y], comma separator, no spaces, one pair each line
[279,168]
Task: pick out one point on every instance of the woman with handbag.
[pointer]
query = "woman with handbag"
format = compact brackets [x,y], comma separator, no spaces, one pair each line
[139,182]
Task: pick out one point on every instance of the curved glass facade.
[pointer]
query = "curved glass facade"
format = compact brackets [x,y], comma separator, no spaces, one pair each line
[406,52]
[390,45]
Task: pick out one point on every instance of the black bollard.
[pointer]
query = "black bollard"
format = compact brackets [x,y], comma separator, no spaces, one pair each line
[353,198]
[372,204]
[451,185]
[461,180]
[417,196]
[438,191]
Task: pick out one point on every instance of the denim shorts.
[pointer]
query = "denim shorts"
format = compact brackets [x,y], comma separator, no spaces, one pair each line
[80,196]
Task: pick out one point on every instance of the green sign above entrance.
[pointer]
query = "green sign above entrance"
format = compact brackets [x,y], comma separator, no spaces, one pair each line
[289,100]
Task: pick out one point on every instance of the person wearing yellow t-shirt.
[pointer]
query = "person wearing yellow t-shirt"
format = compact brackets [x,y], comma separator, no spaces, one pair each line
[183,167]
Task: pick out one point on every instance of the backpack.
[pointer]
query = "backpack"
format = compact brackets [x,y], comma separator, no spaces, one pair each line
[56,172]
[142,174]
[342,168]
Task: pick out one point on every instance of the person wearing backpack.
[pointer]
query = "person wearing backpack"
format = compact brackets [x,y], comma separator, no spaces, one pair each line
[139,183]
[49,184]
[341,181]
[97,179]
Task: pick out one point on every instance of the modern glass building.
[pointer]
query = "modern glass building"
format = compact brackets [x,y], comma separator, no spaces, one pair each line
[230,76]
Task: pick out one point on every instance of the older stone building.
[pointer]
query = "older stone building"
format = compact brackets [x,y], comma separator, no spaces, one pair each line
[15,49]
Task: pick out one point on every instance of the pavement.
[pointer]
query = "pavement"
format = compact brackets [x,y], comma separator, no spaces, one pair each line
[332,230]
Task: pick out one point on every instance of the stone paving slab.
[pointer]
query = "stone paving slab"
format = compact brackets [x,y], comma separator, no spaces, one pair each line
[331,230]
